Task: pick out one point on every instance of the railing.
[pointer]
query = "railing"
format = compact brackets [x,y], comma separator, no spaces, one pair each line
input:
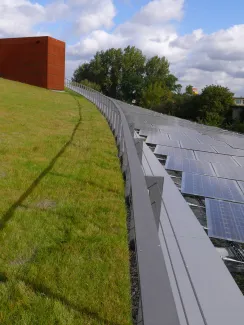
[157,305]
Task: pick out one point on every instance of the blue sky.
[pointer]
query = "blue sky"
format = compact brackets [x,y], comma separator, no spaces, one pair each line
[203,40]
[208,15]
[211,15]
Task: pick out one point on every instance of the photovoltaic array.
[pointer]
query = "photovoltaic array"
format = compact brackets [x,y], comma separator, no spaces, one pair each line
[212,166]
[189,165]
[211,187]
[176,152]
[225,220]
[230,172]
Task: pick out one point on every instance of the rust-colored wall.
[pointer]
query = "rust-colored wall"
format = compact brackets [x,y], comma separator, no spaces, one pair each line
[37,61]
[55,64]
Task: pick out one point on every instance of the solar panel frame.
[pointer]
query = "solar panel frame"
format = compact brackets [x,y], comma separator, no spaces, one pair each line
[225,220]
[189,165]
[211,187]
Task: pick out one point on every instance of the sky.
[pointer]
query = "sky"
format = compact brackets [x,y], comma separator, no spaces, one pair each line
[203,40]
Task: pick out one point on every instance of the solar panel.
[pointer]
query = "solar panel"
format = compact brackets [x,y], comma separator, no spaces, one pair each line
[178,136]
[195,145]
[189,165]
[212,187]
[241,184]
[162,140]
[240,160]
[211,141]
[207,139]
[234,141]
[227,150]
[177,152]
[149,132]
[214,157]
[230,172]
[225,220]
[145,133]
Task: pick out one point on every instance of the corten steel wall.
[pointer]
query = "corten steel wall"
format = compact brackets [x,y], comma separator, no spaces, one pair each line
[38,61]
[55,64]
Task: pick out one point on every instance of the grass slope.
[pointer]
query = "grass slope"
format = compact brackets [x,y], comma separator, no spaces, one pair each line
[63,238]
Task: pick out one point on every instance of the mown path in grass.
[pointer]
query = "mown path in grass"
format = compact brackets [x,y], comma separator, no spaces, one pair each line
[63,238]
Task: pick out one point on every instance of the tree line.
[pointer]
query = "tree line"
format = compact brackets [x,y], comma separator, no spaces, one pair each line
[128,75]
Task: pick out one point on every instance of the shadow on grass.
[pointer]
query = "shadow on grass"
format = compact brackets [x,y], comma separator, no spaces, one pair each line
[41,289]
[9,213]
[90,182]
[46,292]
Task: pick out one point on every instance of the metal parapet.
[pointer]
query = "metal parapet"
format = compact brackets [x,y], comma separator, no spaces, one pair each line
[177,285]
[156,300]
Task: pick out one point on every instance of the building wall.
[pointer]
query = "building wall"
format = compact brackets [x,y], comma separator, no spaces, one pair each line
[24,60]
[237,112]
[239,101]
[55,64]
[39,61]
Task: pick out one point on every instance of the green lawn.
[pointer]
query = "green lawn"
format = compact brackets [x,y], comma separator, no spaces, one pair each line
[63,239]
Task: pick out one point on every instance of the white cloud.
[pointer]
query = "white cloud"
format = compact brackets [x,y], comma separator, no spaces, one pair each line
[96,41]
[213,58]
[225,44]
[152,38]
[187,41]
[18,17]
[93,14]
[158,11]
[196,58]
[57,10]
[70,66]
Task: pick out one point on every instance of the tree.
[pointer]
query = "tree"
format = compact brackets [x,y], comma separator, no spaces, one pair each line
[104,69]
[156,70]
[133,67]
[82,73]
[90,84]
[170,82]
[214,105]
[189,90]
[155,95]
[125,74]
